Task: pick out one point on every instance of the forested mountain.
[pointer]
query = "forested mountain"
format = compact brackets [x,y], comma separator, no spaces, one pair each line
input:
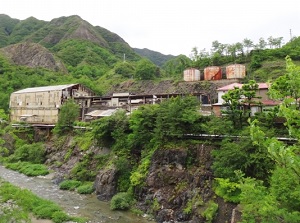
[156,57]
[152,162]
[71,50]
[60,31]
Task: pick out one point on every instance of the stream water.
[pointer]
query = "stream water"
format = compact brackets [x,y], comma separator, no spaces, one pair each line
[74,204]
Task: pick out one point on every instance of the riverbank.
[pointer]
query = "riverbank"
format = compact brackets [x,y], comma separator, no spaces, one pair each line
[74,204]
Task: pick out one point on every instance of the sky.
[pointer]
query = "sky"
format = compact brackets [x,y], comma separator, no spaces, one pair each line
[173,26]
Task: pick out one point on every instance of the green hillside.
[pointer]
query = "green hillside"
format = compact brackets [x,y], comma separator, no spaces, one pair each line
[156,57]
[69,49]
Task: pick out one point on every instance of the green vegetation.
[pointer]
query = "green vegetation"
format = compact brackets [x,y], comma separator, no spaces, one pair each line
[86,188]
[210,211]
[28,169]
[274,197]
[69,184]
[121,201]
[254,169]
[80,186]
[28,203]
[68,114]
[34,153]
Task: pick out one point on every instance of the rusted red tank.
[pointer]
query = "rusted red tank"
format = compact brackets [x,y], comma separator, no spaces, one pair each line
[191,74]
[212,73]
[235,71]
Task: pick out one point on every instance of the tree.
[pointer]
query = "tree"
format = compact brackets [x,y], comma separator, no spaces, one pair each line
[287,87]
[112,131]
[239,48]
[216,47]
[280,202]
[146,70]
[125,69]
[232,100]
[232,49]
[142,124]
[249,92]
[68,114]
[261,44]
[176,117]
[241,154]
[3,116]
[271,42]
[177,65]
[248,44]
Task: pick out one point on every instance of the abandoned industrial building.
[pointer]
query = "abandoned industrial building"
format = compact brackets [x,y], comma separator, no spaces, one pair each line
[42,104]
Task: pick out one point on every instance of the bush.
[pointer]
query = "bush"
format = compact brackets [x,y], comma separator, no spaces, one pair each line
[69,184]
[34,153]
[121,201]
[46,210]
[229,191]
[59,217]
[210,211]
[86,188]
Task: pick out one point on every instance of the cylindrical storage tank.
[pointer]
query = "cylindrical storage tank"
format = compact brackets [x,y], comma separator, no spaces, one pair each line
[235,71]
[212,73]
[191,74]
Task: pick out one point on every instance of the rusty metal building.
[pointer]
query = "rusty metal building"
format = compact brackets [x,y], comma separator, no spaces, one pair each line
[41,104]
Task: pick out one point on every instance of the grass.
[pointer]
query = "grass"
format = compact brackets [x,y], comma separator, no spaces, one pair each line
[28,169]
[27,202]
[79,186]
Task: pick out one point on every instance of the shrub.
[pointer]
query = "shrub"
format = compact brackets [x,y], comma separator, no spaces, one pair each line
[81,171]
[59,217]
[69,184]
[121,201]
[229,191]
[86,188]
[34,153]
[210,211]
[46,210]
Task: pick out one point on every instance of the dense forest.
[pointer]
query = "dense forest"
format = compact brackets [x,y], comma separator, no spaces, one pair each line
[253,169]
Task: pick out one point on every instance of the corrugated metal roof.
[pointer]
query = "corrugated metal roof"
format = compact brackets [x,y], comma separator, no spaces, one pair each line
[45,88]
[231,86]
[121,94]
[101,113]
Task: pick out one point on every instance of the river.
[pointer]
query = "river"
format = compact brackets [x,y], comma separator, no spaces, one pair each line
[74,204]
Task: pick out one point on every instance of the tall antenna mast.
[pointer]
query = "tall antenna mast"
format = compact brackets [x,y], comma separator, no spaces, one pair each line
[124,59]
[291,34]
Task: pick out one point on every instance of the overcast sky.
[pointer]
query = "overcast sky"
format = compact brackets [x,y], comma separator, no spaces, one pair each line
[172,26]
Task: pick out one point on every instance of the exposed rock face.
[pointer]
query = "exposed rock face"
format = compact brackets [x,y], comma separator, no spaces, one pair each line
[85,32]
[177,177]
[149,87]
[106,184]
[33,55]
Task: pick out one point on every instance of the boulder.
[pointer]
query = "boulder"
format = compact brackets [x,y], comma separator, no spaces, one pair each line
[106,184]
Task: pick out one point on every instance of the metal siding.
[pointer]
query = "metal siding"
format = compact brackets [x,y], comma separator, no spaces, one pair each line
[191,75]
[212,73]
[39,105]
[235,71]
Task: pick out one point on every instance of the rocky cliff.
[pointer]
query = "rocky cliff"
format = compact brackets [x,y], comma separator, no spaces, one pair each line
[33,55]
[178,186]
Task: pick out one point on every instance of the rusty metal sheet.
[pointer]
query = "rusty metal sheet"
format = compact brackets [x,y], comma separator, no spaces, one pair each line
[212,73]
